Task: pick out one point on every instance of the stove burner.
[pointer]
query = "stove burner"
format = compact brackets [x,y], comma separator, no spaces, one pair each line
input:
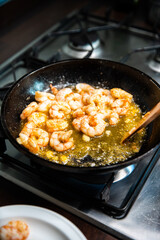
[81,44]
[154,61]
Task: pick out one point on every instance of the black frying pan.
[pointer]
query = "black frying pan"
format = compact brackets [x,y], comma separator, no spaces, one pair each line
[103,73]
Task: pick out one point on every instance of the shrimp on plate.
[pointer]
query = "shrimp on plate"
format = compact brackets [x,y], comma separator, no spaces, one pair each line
[61,141]
[32,107]
[92,126]
[14,230]
[56,125]
[59,109]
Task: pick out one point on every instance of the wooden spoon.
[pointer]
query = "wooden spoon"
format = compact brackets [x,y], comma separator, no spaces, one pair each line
[147,118]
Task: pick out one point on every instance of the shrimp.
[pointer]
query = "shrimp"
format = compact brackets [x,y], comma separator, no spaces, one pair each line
[43,96]
[90,109]
[62,94]
[104,114]
[77,123]
[56,125]
[86,91]
[53,89]
[59,109]
[121,106]
[78,113]
[114,118]
[14,230]
[84,87]
[32,107]
[44,106]
[97,100]
[85,98]
[102,92]
[38,118]
[100,96]
[38,138]
[119,93]
[61,141]
[25,133]
[74,100]
[92,126]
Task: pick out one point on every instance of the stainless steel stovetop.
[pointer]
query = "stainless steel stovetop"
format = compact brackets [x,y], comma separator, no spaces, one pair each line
[138,214]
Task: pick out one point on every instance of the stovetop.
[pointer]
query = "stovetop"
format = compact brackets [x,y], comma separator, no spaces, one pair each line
[127,208]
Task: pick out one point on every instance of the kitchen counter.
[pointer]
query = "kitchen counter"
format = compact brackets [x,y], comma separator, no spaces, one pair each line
[13,37]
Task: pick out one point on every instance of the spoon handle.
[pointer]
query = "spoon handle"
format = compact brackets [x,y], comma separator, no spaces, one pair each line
[147,118]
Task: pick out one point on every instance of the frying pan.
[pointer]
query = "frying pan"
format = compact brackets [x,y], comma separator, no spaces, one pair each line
[102,73]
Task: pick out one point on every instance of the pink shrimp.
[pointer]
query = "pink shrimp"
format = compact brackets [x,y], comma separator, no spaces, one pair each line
[14,230]
[92,126]
[32,107]
[61,141]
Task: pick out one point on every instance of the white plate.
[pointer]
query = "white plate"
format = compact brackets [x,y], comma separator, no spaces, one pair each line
[43,224]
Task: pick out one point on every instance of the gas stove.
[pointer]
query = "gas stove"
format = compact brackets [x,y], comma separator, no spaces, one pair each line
[127,204]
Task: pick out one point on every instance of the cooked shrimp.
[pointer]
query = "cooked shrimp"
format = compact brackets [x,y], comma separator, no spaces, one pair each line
[109,100]
[92,126]
[90,109]
[38,118]
[43,96]
[77,123]
[44,106]
[56,125]
[38,138]
[85,98]
[98,100]
[32,107]
[119,93]
[14,230]
[100,96]
[25,133]
[86,91]
[53,89]
[114,118]
[59,109]
[74,100]
[121,106]
[104,113]
[78,113]
[102,91]
[63,93]
[61,141]
[84,87]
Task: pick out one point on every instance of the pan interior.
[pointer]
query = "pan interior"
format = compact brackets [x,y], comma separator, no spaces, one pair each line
[100,73]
